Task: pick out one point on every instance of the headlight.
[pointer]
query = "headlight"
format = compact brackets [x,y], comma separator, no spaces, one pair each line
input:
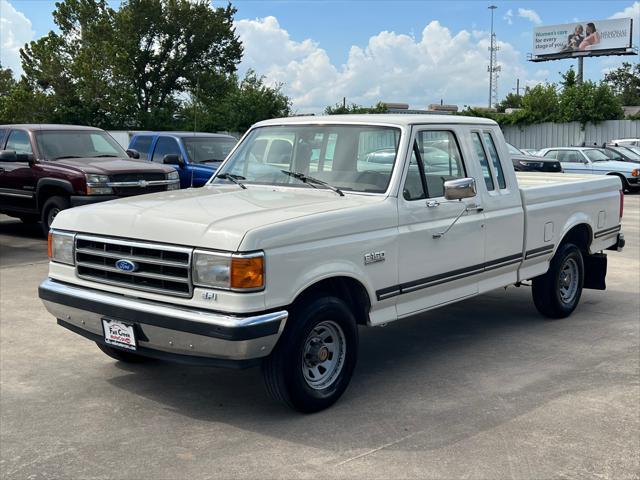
[97,185]
[61,247]
[173,175]
[530,164]
[230,272]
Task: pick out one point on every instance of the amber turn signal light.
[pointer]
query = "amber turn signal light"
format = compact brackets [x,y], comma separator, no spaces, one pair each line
[247,273]
[50,244]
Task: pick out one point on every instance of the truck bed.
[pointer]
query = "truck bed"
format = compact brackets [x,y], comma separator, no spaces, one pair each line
[554,203]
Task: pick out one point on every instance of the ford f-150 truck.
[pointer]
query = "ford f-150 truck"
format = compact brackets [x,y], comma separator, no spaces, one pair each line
[278,260]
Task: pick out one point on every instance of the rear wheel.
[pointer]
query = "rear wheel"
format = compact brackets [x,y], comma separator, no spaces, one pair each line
[312,364]
[556,293]
[51,208]
[122,355]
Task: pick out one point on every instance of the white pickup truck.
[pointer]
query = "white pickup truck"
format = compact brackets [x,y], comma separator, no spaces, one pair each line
[315,226]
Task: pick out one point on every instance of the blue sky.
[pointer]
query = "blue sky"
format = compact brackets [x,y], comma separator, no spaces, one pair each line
[407,51]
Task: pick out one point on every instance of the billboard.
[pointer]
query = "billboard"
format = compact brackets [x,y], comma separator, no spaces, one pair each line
[582,38]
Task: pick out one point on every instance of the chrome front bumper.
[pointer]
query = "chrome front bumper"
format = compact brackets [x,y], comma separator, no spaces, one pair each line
[164,330]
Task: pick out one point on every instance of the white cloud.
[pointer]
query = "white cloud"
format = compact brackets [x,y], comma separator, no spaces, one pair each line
[509,17]
[632,11]
[15,31]
[393,67]
[530,15]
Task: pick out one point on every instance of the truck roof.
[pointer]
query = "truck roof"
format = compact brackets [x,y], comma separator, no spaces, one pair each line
[401,120]
[184,134]
[49,126]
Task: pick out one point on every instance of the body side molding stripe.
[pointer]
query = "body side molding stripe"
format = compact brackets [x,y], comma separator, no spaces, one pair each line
[441,278]
[607,231]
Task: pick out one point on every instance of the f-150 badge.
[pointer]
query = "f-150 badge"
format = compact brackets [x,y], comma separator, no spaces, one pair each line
[373,257]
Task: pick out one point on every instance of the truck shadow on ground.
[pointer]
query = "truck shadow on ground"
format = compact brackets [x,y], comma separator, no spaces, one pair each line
[453,373]
[15,228]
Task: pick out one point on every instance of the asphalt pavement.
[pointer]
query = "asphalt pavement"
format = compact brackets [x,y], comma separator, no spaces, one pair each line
[485,388]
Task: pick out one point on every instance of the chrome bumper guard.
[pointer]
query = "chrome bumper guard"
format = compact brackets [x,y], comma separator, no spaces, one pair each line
[166,331]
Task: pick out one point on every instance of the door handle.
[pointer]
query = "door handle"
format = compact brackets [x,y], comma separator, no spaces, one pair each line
[433,203]
[474,208]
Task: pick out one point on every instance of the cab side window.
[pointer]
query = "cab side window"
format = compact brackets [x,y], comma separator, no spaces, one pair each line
[484,162]
[165,146]
[493,153]
[570,156]
[142,143]
[441,161]
[551,154]
[19,141]
[2,134]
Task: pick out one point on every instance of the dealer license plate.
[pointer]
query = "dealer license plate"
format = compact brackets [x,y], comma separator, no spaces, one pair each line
[119,334]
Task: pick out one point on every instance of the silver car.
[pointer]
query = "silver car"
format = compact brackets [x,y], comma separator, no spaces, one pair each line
[590,160]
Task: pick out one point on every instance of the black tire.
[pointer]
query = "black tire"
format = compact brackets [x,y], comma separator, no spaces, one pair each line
[283,369]
[50,209]
[551,295]
[122,355]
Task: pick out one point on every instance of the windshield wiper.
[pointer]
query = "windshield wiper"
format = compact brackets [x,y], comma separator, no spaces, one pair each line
[66,156]
[209,160]
[106,155]
[310,181]
[233,178]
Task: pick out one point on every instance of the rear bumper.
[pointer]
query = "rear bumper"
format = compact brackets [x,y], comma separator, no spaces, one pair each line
[619,245]
[166,331]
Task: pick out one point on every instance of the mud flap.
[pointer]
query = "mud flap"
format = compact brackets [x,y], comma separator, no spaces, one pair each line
[595,271]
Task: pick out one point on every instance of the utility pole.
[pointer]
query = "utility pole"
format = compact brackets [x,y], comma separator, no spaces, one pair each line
[580,70]
[517,89]
[493,68]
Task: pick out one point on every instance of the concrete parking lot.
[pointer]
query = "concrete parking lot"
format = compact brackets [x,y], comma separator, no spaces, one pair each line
[481,389]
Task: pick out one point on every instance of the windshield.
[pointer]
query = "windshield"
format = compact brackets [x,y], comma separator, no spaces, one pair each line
[595,155]
[55,145]
[350,157]
[627,152]
[513,150]
[208,149]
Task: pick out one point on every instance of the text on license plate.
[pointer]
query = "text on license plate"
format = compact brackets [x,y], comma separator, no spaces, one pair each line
[119,334]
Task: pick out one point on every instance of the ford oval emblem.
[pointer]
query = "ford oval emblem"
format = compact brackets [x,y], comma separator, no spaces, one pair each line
[126,265]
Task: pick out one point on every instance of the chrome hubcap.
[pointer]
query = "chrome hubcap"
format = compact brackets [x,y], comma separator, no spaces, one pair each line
[569,280]
[323,355]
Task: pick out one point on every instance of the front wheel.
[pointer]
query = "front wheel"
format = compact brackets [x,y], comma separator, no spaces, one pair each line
[51,208]
[556,293]
[312,364]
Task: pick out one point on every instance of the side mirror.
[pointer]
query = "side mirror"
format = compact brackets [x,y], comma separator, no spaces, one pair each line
[133,153]
[8,156]
[173,159]
[460,188]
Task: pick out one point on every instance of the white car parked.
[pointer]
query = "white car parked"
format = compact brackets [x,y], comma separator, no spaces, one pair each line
[590,160]
[277,261]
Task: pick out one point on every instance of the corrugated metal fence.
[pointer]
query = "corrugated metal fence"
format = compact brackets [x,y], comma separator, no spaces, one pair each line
[570,134]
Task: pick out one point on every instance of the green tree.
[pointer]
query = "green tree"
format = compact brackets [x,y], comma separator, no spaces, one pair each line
[539,104]
[625,83]
[130,67]
[512,100]
[234,106]
[588,102]
[7,81]
[342,109]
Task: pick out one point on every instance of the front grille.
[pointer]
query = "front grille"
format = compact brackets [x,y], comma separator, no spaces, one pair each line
[160,268]
[130,191]
[135,176]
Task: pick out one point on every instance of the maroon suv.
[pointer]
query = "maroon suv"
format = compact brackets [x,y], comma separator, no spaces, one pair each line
[47,168]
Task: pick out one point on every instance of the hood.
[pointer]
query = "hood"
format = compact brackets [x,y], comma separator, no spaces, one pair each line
[214,217]
[109,166]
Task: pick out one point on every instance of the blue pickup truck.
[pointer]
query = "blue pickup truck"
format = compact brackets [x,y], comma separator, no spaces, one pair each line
[195,155]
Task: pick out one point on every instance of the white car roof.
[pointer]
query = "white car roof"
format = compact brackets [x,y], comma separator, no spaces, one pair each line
[401,120]
[573,148]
